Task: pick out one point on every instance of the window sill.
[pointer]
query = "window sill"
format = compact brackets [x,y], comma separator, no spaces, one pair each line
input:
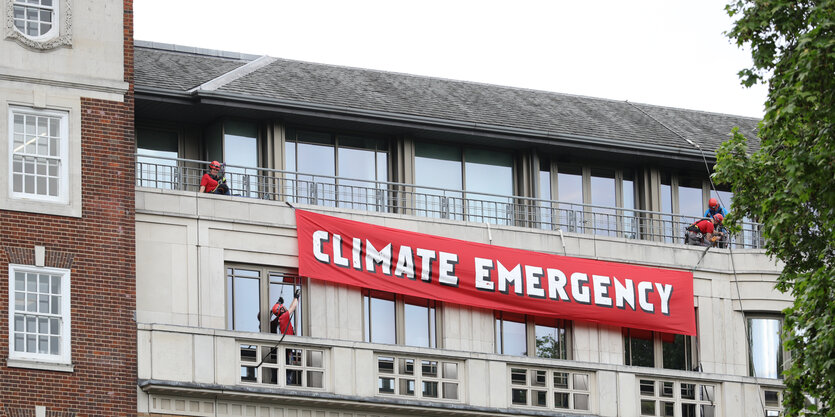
[45,366]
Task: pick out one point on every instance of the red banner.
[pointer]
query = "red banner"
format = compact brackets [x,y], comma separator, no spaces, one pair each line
[494,277]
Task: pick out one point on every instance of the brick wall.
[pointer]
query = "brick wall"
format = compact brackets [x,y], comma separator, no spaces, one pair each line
[99,248]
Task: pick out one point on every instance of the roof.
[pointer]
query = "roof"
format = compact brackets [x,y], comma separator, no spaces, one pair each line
[484,106]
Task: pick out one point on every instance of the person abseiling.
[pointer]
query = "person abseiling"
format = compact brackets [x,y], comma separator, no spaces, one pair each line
[213,181]
[704,232]
[282,315]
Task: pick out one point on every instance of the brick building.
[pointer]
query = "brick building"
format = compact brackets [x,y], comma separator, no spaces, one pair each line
[67,263]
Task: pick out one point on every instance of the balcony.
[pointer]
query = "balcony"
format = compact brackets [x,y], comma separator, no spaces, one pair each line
[431,202]
[194,371]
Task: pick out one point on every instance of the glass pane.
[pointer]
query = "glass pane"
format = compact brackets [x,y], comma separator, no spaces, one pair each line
[513,338]
[675,349]
[581,382]
[315,379]
[407,367]
[647,387]
[269,376]
[540,398]
[380,317]
[519,376]
[550,342]
[647,407]
[450,390]
[314,358]
[772,398]
[561,380]
[385,385]
[639,349]
[438,166]
[519,396]
[570,185]
[489,171]
[407,386]
[294,377]
[417,325]
[357,164]
[764,344]
[561,399]
[709,410]
[690,197]
[581,401]
[385,365]
[450,370]
[668,409]
[538,378]
[430,389]
[429,368]
[246,296]
[688,410]
[688,391]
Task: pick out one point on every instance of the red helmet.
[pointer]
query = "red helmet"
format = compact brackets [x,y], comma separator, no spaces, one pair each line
[712,203]
[214,165]
[718,217]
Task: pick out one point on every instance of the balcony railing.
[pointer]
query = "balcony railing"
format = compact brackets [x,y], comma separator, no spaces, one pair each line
[410,199]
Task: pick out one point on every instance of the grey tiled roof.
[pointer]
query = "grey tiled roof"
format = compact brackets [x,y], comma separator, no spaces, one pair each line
[178,71]
[531,112]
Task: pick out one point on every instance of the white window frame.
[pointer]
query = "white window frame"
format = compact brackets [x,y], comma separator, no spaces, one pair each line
[63,169]
[56,18]
[22,359]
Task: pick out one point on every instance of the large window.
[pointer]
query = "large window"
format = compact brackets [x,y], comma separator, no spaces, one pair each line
[397,319]
[36,19]
[39,316]
[38,151]
[252,291]
[765,347]
[550,388]
[240,147]
[521,335]
[486,176]
[318,157]
[659,350]
[157,151]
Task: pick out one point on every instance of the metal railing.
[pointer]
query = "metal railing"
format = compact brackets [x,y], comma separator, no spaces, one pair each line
[391,197]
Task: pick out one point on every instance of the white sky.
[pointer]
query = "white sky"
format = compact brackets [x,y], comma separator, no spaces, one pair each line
[669,53]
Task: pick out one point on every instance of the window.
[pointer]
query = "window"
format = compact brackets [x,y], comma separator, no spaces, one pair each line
[486,175]
[157,152]
[318,157]
[640,347]
[516,332]
[773,402]
[418,377]
[40,314]
[663,398]
[287,366]
[240,153]
[549,388]
[765,347]
[385,314]
[37,19]
[38,151]
[252,291]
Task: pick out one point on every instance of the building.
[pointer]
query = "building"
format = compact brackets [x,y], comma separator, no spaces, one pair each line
[460,248]
[67,332]
[608,184]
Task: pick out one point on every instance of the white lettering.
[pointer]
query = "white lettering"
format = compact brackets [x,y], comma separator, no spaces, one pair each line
[482,274]
[556,283]
[624,294]
[665,291]
[601,284]
[512,277]
[426,258]
[356,252]
[533,275]
[580,292]
[446,268]
[405,263]
[644,288]
[373,256]
[338,259]
[319,238]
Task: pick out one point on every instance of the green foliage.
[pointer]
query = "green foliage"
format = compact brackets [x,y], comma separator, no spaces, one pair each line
[788,184]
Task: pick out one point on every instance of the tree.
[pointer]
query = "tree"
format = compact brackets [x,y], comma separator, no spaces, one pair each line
[788,184]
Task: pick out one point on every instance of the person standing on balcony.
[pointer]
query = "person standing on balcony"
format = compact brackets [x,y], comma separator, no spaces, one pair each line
[281,322]
[213,181]
[704,232]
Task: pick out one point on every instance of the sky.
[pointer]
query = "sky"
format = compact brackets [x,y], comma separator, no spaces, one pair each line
[667,53]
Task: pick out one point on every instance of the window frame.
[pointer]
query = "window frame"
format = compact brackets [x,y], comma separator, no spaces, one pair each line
[530,323]
[691,350]
[400,302]
[53,31]
[265,273]
[63,157]
[65,355]
[784,355]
